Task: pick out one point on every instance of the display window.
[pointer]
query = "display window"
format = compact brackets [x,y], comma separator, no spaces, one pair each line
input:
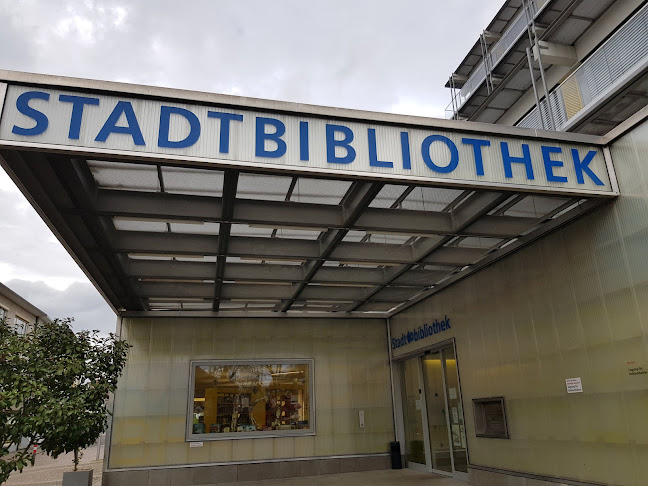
[231,399]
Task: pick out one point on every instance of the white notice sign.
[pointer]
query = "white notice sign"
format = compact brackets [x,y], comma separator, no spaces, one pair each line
[574,385]
[195,444]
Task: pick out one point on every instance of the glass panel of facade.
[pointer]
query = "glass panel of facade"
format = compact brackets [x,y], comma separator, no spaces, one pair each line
[413,412]
[250,398]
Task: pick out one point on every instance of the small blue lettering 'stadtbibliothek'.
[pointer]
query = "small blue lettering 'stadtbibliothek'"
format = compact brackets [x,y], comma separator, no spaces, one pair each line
[343,145]
[421,332]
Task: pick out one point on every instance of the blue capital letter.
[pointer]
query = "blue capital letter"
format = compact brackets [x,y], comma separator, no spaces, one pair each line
[345,144]
[163,133]
[509,159]
[373,154]
[303,141]
[477,145]
[454,154]
[405,149]
[78,102]
[584,167]
[225,118]
[22,104]
[262,136]
[132,128]
[550,164]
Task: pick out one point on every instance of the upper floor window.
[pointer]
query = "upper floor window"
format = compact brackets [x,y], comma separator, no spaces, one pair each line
[21,325]
[3,313]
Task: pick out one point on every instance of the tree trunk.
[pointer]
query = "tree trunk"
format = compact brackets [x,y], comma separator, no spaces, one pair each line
[76,459]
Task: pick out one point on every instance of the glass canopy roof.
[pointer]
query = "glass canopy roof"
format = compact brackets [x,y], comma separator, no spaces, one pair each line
[165,239]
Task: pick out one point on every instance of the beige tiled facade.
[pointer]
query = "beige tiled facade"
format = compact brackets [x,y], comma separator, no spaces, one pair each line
[574,304]
[351,373]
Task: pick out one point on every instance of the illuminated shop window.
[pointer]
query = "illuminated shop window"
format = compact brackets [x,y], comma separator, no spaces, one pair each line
[248,398]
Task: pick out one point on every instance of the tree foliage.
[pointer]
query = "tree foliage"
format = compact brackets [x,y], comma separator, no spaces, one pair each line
[55,387]
[23,397]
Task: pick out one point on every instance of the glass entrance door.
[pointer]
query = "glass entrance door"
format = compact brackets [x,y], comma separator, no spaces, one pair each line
[455,415]
[415,447]
[433,414]
[436,412]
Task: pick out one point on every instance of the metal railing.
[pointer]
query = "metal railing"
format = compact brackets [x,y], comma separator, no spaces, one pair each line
[495,53]
[626,49]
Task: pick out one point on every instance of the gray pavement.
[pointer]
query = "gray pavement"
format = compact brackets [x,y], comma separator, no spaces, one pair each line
[49,472]
[403,477]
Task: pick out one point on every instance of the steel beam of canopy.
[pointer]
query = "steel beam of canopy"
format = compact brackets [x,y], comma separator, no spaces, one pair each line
[419,278]
[252,292]
[205,208]
[578,210]
[354,202]
[498,226]
[172,244]
[229,194]
[454,256]
[34,174]
[268,272]
[293,214]
[429,250]
[135,204]
[468,212]
[165,269]
[81,187]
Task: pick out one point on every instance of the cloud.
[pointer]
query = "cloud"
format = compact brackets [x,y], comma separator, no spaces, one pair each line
[28,249]
[365,54]
[80,301]
[361,54]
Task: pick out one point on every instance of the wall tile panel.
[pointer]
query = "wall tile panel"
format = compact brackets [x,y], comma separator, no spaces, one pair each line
[351,373]
[573,304]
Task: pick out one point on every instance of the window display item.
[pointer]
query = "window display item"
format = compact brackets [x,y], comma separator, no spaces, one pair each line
[252,398]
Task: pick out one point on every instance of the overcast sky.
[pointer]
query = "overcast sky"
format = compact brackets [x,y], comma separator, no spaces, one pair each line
[392,56]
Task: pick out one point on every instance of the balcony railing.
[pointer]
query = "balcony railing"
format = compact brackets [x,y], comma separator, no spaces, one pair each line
[618,57]
[495,53]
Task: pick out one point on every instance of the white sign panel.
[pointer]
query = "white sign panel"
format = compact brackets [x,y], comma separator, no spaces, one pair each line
[195,444]
[111,124]
[3,91]
[574,385]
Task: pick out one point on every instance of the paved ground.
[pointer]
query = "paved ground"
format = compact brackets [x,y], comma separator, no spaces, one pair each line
[403,477]
[49,472]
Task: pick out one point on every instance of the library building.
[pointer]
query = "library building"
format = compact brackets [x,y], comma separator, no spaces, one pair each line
[313,290]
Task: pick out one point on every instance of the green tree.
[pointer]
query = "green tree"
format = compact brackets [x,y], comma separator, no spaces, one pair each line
[84,369]
[57,383]
[23,397]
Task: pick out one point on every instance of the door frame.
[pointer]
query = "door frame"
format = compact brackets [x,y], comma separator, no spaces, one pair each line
[419,355]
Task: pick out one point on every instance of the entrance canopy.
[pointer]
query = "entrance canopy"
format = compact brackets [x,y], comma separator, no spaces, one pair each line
[183,203]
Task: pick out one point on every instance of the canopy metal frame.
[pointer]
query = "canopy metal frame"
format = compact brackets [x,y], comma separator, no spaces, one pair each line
[374,252]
